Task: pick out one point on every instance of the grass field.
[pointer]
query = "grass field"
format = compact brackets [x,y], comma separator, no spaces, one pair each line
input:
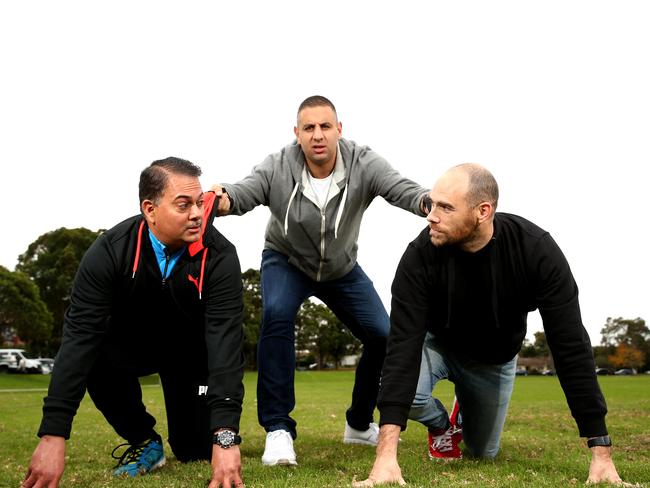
[540,445]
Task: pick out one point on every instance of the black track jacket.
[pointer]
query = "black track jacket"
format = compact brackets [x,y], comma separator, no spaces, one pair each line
[119,302]
[476,304]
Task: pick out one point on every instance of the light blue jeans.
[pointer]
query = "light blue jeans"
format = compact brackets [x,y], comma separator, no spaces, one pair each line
[483,392]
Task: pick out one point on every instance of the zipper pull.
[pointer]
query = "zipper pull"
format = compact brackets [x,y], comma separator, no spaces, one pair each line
[164,274]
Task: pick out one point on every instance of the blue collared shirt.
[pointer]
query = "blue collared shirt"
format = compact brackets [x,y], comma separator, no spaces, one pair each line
[166,261]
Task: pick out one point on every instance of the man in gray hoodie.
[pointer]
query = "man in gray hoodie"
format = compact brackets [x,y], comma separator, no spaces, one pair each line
[317,189]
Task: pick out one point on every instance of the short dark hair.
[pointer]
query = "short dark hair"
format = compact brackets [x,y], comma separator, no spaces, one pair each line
[153,179]
[316,101]
[482,187]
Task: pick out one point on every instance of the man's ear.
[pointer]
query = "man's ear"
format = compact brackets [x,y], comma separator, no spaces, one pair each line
[148,209]
[485,211]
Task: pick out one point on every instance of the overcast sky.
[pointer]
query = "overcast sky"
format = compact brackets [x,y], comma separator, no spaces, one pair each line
[551,96]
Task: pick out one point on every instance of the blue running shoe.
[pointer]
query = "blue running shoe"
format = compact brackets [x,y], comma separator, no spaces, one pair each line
[140,458]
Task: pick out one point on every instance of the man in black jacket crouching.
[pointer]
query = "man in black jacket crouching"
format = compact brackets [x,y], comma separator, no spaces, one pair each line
[159,279]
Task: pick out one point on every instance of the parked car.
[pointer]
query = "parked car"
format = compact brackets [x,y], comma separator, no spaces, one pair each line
[7,361]
[47,365]
[17,361]
[604,371]
[548,372]
[521,372]
[625,371]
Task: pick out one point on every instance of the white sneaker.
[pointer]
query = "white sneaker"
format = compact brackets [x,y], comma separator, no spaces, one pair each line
[279,449]
[368,437]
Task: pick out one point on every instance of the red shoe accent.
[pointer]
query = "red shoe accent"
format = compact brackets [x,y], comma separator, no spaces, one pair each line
[455,410]
[443,444]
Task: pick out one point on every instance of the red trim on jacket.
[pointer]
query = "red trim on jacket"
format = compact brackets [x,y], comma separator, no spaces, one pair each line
[194,248]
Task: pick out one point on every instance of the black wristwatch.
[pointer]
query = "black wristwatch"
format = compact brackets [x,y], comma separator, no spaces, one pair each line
[226,439]
[602,440]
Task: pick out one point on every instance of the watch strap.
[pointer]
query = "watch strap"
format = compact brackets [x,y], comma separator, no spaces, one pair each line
[603,440]
[233,438]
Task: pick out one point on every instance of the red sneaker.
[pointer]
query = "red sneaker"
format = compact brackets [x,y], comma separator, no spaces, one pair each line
[455,411]
[443,444]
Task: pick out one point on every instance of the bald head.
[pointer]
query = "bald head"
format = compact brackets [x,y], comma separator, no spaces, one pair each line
[461,207]
[480,184]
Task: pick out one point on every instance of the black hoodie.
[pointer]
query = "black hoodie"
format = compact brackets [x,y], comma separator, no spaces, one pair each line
[476,304]
[119,302]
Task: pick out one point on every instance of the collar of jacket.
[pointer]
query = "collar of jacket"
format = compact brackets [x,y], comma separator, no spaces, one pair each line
[194,248]
[338,180]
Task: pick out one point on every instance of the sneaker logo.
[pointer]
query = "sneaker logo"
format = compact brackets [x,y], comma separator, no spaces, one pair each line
[203,390]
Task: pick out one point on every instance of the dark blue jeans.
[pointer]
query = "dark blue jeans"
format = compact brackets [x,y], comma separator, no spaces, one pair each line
[353,300]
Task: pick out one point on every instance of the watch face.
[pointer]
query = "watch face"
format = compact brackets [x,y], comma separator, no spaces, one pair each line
[226,438]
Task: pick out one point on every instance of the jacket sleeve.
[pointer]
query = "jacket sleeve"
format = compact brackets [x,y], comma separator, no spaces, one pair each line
[224,338]
[404,351]
[557,297]
[83,330]
[387,182]
[253,190]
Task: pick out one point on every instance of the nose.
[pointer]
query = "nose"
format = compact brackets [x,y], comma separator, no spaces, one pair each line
[431,216]
[195,212]
[318,133]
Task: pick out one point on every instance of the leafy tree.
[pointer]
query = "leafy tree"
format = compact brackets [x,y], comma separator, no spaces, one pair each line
[252,315]
[601,356]
[627,356]
[527,349]
[319,331]
[22,311]
[51,261]
[539,348]
[541,345]
[632,332]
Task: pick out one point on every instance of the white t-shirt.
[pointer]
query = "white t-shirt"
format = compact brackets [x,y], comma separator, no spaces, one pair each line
[321,187]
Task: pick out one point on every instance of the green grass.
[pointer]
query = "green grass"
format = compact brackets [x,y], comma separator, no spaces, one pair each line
[540,445]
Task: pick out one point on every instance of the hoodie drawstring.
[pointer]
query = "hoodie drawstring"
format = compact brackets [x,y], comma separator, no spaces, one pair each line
[286,216]
[339,214]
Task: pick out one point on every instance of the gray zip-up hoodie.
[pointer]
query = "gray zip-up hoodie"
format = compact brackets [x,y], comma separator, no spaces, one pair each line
[321,242]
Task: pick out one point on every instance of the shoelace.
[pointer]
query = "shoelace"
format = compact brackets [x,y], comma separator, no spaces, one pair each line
[443,442]
[131,455]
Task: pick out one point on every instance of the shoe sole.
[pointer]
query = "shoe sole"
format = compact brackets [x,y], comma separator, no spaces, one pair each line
[445,459]
[158,465]
[359,441]
[280,462]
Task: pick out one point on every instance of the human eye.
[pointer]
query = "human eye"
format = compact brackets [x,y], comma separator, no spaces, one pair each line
[183,206]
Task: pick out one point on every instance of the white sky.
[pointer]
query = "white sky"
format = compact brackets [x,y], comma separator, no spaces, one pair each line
[551,96]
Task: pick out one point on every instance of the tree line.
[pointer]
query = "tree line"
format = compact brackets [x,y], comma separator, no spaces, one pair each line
[34,298]
[625,343]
